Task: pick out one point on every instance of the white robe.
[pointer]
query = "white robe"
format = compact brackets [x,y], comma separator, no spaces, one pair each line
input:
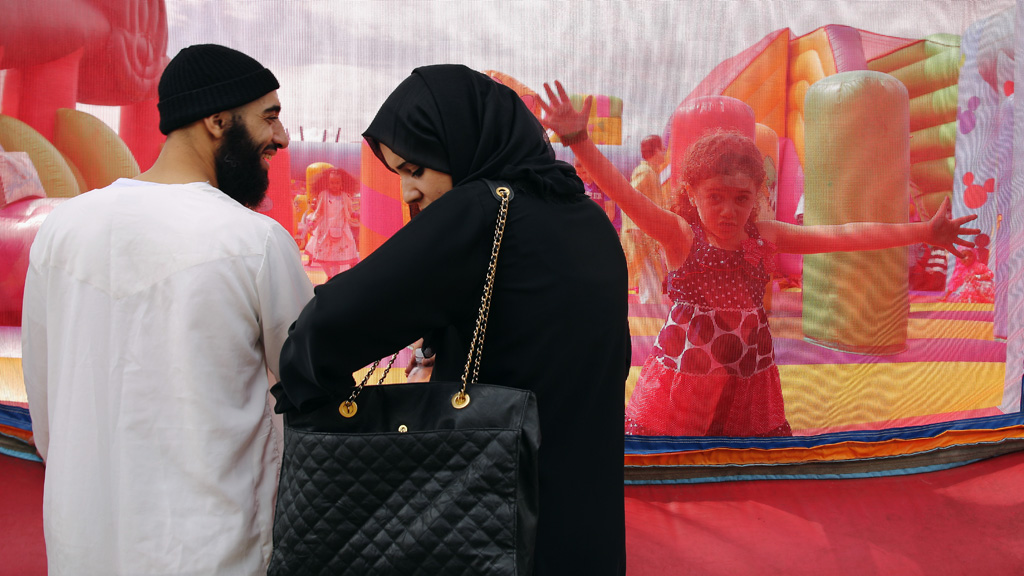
[152,313]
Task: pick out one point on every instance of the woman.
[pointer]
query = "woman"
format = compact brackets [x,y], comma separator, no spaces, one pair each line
[558,319]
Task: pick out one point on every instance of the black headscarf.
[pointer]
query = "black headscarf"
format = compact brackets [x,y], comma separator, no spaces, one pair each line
[458,121]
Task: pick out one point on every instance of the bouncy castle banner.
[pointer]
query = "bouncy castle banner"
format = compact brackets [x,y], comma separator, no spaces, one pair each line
[847,363]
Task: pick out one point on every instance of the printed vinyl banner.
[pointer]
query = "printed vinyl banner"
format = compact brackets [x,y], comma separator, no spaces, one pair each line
[896,112]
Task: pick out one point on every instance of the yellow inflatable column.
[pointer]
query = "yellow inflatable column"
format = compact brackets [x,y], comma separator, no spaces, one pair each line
[857,170]
[93,148]
[59,179]
[930,69]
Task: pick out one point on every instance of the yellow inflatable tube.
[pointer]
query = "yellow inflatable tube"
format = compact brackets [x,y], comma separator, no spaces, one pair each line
[96,150]
[56,175]
[857,170]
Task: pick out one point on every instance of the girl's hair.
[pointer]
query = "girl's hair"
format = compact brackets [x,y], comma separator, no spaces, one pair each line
[322,181]
[718,153]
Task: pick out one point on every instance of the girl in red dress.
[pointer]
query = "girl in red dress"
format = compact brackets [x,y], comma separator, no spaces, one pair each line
[712,371]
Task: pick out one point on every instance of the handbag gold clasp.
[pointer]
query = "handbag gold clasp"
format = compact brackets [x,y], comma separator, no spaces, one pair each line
[348,408]
[460,400]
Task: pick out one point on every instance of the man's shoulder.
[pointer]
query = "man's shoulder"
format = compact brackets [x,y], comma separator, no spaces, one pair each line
[643,168]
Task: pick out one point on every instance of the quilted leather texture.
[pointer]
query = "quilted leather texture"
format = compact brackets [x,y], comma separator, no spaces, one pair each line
[422,502]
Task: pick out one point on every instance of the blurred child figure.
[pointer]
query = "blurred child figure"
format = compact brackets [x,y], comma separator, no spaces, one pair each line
[644,257]
[971,281]
[591,189]
[712,371]
[331,245]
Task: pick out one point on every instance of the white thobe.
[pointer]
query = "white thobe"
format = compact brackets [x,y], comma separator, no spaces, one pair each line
[152,313]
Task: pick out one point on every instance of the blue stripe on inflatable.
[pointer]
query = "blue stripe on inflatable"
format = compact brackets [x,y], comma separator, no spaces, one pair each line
[15,416]
[852,475]
[30,456]
[662,444]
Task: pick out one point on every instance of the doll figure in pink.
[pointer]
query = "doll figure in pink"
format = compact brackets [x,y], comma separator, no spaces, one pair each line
[331,245]
[971,281]
[712,371]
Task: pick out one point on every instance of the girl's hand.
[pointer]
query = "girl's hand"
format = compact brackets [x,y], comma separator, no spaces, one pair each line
[560,116]
[945,232]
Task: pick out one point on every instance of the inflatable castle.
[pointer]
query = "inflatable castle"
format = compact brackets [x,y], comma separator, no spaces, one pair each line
[879,377]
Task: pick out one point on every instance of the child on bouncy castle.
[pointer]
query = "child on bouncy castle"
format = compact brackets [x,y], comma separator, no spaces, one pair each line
[331,243]
[712,371]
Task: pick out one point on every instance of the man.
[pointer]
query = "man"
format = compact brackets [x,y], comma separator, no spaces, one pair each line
[153,310]
[643,255]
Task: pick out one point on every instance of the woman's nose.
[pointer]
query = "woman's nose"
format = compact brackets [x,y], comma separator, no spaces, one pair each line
[409,193]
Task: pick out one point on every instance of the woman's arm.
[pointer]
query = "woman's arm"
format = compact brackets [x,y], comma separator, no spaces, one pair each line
[667,227]
[425,277]
[940,231]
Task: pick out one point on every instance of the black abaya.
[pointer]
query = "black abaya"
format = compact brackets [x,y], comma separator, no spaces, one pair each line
[558,323]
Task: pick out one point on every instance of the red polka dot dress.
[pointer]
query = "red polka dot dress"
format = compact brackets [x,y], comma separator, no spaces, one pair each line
[712,371]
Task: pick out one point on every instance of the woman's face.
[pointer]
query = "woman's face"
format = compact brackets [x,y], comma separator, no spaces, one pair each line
[724,204]
[420,185]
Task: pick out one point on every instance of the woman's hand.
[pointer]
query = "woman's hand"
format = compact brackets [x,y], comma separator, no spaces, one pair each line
[560,116]
[420,365]
[946,233]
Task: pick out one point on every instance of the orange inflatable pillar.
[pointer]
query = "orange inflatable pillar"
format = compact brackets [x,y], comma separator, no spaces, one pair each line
[140,130]
[45,88]
[381,211]
[695,117]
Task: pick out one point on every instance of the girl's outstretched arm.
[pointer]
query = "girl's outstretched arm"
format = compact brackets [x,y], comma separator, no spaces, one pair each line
[667,227]
[940,231]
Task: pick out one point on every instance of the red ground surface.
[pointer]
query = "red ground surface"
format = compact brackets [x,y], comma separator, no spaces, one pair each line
[964,521]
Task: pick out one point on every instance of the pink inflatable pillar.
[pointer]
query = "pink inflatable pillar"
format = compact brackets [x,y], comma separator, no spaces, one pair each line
[278,203]
[45,88]
[19,223]
[140,130]
[791,188]
[11,98]
[695,117]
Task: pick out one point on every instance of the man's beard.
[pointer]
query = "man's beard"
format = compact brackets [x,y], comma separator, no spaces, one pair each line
[238,166]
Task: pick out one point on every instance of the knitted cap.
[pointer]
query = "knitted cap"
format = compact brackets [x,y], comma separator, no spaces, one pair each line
[205,79]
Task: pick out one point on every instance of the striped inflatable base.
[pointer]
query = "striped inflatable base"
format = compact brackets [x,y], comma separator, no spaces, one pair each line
[938,404]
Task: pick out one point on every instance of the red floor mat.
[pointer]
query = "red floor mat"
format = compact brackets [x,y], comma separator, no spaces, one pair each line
[963,521]
[21,518]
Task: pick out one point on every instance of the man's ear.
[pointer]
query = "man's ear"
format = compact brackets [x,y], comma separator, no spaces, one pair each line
[217,124]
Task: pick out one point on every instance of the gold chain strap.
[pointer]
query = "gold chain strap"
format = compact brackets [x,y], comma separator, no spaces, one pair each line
[348,407]
[476,346]
[461,398]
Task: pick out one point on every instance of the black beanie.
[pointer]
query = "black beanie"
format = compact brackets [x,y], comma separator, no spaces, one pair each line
[205,79]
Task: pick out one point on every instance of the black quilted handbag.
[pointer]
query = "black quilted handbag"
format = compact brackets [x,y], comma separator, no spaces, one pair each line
[429,478]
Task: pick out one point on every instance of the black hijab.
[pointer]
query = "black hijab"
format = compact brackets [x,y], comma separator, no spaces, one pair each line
[458,121]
